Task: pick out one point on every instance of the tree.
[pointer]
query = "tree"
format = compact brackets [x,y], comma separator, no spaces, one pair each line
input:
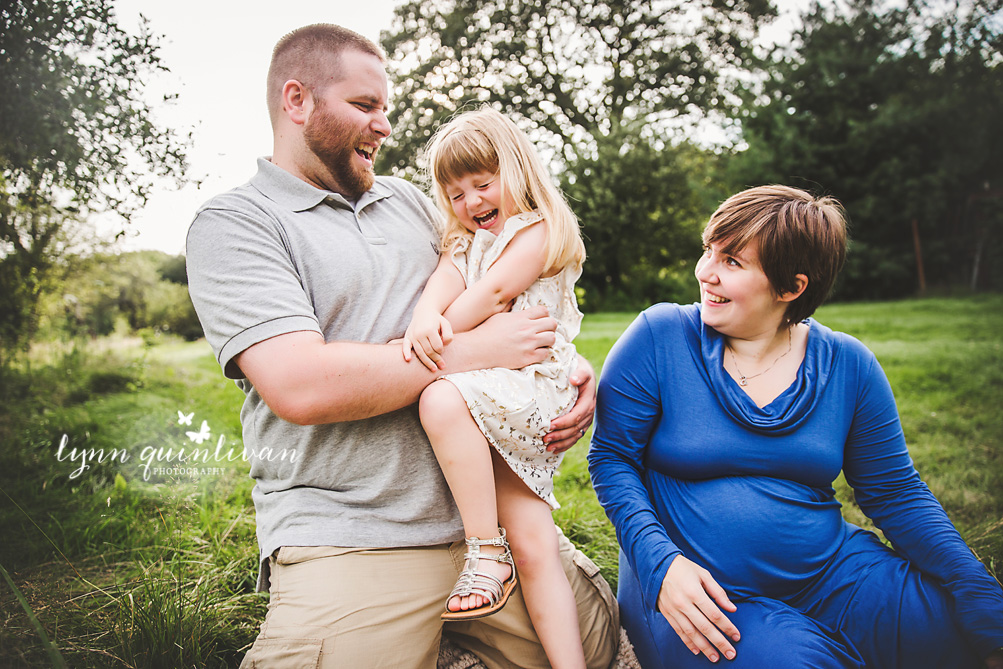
[641,218]
[894,111]
[107,291]
[78,138]
[605,88]
[573,71]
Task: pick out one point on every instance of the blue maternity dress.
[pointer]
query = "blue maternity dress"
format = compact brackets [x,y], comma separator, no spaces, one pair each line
[684,462]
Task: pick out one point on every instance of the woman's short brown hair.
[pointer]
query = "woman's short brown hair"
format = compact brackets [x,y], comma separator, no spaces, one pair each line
[794,233]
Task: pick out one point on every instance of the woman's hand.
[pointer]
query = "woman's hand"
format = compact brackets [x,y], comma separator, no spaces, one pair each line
[995,659]
[566,430]
[687,601]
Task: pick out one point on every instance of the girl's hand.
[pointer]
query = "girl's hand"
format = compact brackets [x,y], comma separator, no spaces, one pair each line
[427,336]
[687,601]
[995,659]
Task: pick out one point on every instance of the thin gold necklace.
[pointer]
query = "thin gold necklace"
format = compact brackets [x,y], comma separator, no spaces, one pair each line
[743,379]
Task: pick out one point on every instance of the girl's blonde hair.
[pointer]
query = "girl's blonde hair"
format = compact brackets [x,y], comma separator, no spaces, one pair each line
[487,141]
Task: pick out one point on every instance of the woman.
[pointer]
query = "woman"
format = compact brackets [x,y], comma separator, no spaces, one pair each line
[719,431]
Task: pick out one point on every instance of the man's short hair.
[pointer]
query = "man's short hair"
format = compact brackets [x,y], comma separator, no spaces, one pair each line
[794,233]
[311,55]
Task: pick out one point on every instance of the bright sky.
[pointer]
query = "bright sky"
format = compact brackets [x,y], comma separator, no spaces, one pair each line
[218,52]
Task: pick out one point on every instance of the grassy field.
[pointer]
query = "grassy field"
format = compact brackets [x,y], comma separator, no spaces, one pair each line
[134,561]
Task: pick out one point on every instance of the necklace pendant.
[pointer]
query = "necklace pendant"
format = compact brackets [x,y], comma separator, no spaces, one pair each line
[743,382]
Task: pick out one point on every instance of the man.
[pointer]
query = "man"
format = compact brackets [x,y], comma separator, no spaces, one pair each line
[300,277]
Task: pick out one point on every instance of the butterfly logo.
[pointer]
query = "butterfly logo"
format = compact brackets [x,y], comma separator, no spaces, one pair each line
[201,435]
[185,418]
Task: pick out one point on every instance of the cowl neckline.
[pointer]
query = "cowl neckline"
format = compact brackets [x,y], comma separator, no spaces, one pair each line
[789,409]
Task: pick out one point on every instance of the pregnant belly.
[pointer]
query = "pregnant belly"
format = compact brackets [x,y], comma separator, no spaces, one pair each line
[756,535]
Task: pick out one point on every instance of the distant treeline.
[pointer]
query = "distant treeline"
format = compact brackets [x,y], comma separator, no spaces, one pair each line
[654,112]
[143,292]
[651,113]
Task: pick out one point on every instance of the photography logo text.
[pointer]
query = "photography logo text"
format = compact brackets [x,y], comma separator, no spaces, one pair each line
[198,456]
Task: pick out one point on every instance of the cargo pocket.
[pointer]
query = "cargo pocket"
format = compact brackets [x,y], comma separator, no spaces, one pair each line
[587,566]
[602,589]
[598,613]
[283,654]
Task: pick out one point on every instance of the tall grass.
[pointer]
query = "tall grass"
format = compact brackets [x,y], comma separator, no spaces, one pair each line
[125,572]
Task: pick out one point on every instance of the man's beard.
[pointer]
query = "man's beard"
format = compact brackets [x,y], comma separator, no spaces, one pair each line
[334,142]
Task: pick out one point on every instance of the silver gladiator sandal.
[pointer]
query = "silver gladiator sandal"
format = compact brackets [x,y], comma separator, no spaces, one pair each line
[475,582]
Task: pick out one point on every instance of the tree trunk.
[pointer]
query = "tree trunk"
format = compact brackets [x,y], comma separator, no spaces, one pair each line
[919,257]
[979,244]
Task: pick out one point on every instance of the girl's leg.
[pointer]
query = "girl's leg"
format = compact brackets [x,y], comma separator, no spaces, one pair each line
[464,456]
[545,587]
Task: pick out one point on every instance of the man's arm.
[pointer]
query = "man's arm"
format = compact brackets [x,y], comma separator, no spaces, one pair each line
[307,381]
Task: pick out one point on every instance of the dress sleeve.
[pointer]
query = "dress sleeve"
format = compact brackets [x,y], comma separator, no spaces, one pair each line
[890,492]
[495,246]
[459,255]
[628,409]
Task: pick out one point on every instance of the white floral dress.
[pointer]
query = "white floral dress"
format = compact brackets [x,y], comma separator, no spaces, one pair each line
[514,407]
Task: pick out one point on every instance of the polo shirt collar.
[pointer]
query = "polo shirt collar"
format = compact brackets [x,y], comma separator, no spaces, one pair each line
[290,191]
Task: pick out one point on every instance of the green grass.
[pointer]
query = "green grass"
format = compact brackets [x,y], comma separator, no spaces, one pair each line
[122,571]
[125,572]
[944,360]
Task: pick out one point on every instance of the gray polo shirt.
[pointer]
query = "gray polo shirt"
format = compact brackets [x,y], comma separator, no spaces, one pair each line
[277,255]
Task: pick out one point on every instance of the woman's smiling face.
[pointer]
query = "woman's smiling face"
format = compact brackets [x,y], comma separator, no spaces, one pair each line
[736,297]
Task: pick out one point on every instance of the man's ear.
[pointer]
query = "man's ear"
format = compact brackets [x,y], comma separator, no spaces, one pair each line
[801,281]
[297,101]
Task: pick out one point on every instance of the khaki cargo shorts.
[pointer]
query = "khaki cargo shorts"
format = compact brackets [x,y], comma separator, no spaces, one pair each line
[358,607]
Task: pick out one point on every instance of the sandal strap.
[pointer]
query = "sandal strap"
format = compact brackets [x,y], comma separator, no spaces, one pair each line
[474,554]
[505,557]
[474,581]
[480,583]
[501,541]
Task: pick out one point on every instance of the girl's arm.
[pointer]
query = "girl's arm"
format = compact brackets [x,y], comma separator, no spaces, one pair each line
[429,331]
[515,270]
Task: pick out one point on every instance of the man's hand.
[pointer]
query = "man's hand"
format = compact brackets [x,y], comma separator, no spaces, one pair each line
[566,430]
[687,600]
[512,339]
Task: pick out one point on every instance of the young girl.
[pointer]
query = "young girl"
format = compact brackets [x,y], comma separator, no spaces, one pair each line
[510,240]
